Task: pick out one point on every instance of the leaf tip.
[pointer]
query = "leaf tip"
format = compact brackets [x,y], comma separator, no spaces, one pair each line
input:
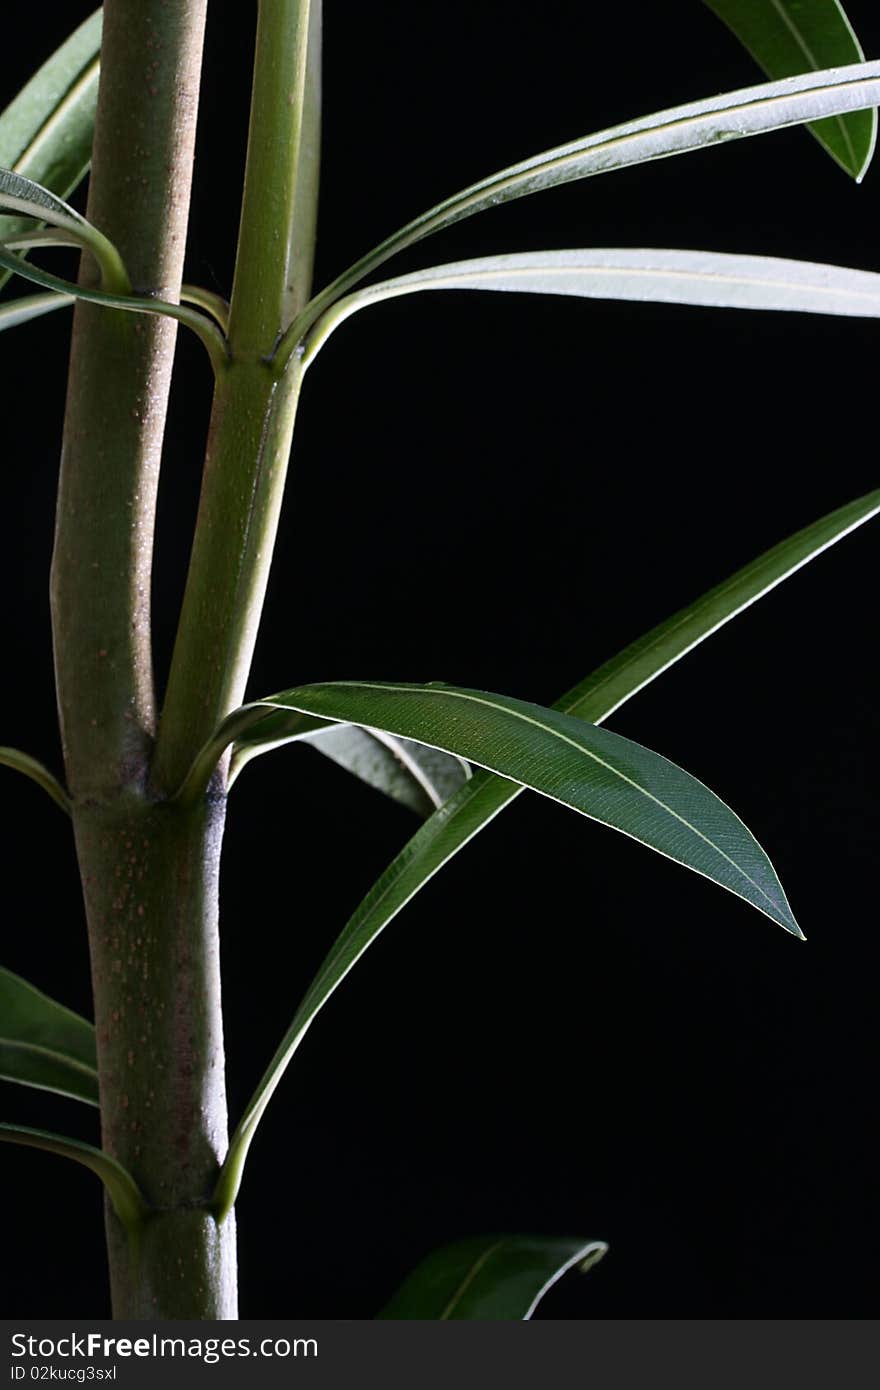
[596,1251]
[861,169]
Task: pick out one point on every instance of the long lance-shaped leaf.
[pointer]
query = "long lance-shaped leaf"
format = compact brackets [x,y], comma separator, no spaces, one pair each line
[46,131]
[30,767]
[500,1278]
[204,327]
[44,1044]
[33,200]
[601,774]
[477,803]
[660,276]
[731,116]
[124,1193]
[418,777]
[790,36]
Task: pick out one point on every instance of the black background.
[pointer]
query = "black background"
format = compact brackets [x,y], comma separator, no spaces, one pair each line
[564,1033]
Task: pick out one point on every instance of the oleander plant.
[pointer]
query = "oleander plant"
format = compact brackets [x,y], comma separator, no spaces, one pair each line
[148,771]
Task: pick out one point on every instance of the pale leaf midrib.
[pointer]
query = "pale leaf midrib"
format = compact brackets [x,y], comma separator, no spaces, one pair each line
[469,1278]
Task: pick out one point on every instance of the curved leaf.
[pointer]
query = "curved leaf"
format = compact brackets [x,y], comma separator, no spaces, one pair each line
[44,1044]
[731,116]
[791,36]
[281,728]
[198,322]
[659,276]
[40,236]
[418,777]
[212,303]
[500,1278]
[46,131]
[598,773]
[124,1193]
[602,775]
[33,200]
[18,311]
[477,803]
[29,767]
[31,306]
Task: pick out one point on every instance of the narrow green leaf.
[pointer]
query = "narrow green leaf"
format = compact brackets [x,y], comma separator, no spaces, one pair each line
[598,773]
[731,116]
[791,36]
[604,776]
[418,777]
[480,800]
[29,767]
[206,330]
[46,131]
[31,306]
[20,310]
[23,123]
[40,236]
[659,276]
[498,1278]
[124,1193]
[213,304]
[44,1044]
[22,195]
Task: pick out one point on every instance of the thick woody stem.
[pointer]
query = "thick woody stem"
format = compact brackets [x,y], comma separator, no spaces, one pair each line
[149,872]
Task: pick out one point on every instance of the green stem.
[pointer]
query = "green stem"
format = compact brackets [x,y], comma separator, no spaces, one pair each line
[280,189]
[301,244]
[245,468]
[255,399]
